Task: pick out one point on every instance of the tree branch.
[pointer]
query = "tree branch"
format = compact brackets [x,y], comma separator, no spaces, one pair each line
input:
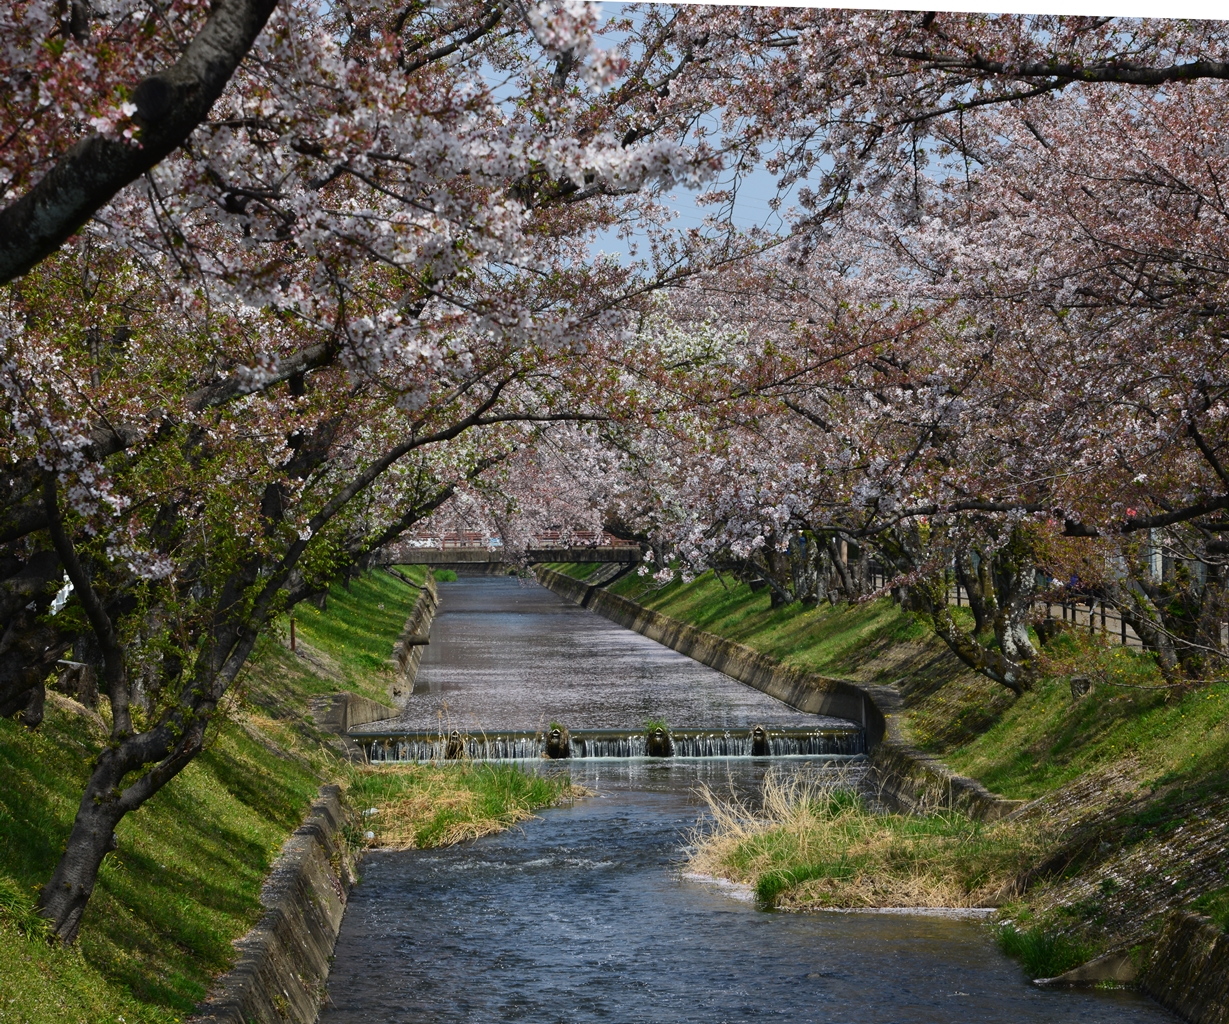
[169,105]
[104,629]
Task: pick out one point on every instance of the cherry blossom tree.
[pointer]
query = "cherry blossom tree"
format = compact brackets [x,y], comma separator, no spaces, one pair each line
[285,280]
[360,274]
[999,323]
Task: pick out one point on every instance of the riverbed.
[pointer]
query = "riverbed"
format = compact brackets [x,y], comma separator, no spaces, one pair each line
[586,915]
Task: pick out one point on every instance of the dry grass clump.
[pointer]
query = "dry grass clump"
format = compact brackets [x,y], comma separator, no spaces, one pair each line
[418,806]
[816,843]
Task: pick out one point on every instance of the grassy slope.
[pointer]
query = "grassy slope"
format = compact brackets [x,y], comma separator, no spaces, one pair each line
[183,884]
[836,641]
[577,570]
[355,628]
[1133,774]
[1045,739]
[186,878]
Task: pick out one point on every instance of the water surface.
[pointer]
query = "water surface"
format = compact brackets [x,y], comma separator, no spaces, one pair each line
[510,654]
[584,915]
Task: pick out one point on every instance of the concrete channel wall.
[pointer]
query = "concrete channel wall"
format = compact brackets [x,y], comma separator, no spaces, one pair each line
[284,961]
[1188,971]
[906,778]
[340,712]
[407,656]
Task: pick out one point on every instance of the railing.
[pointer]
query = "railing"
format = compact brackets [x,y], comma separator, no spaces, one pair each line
[1090,614]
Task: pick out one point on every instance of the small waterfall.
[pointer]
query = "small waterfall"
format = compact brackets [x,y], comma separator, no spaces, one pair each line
[612,743]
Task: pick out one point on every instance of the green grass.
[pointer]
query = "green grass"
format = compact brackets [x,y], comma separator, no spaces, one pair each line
[576,570]
[359,626]
[183,884]
[1041,952]
[443,575]
[1214,904]
[845,640]
[816,843]
[186,878]
[427,805]
[1045,739]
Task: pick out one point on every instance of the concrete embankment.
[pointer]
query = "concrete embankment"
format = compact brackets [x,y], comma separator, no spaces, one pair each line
[1188,971]
[284,960]
[407,654]
[1185,969]
[906,778]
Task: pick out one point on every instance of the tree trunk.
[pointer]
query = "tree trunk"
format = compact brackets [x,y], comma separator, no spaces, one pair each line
[978,586]
[930,596]
[838,552]
[1015,585]
[1142,613]
[28,654]
[64,898]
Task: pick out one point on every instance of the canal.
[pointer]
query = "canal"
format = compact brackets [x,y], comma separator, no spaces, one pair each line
[586,914]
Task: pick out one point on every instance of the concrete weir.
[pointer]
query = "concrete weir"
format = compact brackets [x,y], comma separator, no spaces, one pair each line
[907,779]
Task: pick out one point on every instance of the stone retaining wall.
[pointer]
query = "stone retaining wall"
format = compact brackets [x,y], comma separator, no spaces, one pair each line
[407,657]
[284,960]
[907,779]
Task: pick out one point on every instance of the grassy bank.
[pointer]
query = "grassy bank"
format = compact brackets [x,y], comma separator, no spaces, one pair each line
[186,878]
[348,640]
[865,641]
[816,843]
[423,806]
[1127,782]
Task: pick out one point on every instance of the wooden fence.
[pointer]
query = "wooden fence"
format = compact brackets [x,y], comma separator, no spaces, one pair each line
[1089,614]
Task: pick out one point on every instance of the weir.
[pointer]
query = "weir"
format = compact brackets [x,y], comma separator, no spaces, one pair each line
[609,743]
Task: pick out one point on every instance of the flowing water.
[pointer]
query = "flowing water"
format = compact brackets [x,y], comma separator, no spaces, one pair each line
[521,745]
[585,915]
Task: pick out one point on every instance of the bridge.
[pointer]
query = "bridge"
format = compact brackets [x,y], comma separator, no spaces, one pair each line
[475,555]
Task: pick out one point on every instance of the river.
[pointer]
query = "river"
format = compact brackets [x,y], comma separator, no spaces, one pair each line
[585,914]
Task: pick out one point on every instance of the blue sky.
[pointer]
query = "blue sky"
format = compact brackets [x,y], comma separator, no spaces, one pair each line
[755,190]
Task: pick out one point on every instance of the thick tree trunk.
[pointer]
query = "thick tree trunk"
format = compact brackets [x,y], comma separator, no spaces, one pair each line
[1015,586]
[930,597]
[170,104]
[64,898]
[1142,613]
[28,654]
[167,749]
[838,552]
